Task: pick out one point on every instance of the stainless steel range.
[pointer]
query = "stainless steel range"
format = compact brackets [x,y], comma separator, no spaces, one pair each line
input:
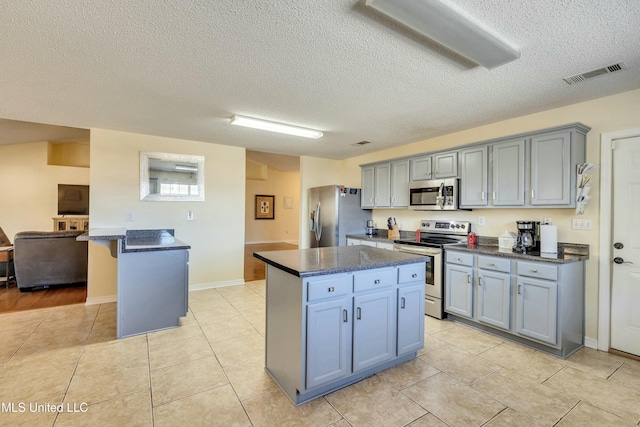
[434,234]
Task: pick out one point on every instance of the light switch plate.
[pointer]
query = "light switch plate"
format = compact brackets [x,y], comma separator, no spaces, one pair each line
[581,224]
[190,216]
[481,220]
[130,216]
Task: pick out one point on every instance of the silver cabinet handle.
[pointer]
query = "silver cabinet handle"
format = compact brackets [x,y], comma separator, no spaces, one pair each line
[458,259]
[533,194]
[358,313]
[331,289]
[402,302]
[483,195]
[468,278]
[494,195]
[376,282]
[491,264]
[534,270]
[519,289]
[414,275]
[345,316]
[479,281]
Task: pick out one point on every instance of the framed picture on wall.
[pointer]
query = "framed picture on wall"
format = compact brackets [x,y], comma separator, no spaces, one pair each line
[265,206]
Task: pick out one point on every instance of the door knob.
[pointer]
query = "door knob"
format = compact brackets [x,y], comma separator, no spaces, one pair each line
[619,260]
[618,245]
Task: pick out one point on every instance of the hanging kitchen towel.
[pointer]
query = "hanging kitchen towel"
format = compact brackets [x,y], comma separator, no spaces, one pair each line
[549,239]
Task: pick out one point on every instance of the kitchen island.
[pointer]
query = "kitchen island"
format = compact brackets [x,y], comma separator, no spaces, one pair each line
[153,277]
[337,315]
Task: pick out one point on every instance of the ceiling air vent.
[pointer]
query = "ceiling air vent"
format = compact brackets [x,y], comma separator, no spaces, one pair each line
[595,73]
[362,143]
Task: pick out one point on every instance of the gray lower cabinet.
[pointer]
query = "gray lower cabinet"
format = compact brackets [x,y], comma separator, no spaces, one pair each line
[535,303]
[328,341]
[153,290]
[459,284]
[410,308]
[494,292]
[328,331]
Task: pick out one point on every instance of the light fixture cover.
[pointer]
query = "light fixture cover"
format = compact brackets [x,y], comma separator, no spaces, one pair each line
[275,127]
[450,28]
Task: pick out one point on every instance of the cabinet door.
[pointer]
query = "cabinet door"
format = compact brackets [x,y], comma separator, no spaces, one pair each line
[446,165]
[537,309]
[410,318]
[400,183]
[368,187]
[474,176]
[383,185]
[494,299]
[328,341]
[352,242]
[421,168]
[508,173]
[550,169]
[373,329]
[458,297]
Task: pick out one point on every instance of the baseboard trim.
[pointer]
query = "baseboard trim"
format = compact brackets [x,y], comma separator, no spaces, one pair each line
[101,300]
[591,342]
[260,242]
[213,285]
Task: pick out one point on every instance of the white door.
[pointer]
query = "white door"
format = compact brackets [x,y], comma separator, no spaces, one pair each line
[625,287]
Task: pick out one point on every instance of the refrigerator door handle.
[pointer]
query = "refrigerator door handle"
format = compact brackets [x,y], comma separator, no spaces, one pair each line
[312,221]
[318,223]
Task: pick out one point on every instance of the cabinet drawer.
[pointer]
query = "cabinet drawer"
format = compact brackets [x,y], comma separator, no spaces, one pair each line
[412,273]
[329,287]
[494,263]
[374,279]
[459,258]
[534,269]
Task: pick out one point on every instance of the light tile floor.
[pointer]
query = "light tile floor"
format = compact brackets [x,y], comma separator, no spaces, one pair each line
[210,372]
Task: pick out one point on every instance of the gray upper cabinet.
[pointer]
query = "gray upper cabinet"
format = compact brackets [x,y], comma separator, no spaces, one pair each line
[508,173]
[368,187]
[445,165]
[551,169]
[421,168]
[400,183]
[473,176]
[530,170]
[385,185]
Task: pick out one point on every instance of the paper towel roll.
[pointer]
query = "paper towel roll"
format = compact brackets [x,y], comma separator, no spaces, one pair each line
[549,239]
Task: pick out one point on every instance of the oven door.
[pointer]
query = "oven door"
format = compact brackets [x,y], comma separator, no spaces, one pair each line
[433,282]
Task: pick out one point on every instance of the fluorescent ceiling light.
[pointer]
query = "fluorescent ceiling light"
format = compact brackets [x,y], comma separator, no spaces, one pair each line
[274,127]
[447,26]
[186,168]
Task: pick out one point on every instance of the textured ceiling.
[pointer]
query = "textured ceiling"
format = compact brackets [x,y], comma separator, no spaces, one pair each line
[182,69]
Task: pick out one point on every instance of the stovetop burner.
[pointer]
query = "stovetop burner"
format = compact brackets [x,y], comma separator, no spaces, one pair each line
[435,233]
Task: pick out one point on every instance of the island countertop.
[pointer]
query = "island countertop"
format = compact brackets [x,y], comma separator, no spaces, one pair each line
[332,260]
[137,240]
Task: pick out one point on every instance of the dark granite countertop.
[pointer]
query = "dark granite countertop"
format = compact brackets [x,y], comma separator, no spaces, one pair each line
[332,260]
[137,240]
[567,252]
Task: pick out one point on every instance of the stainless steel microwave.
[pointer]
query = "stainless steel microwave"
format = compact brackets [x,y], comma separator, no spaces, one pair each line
[434,195]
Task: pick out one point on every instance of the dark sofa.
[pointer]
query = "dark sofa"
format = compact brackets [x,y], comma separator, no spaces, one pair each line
[48,258]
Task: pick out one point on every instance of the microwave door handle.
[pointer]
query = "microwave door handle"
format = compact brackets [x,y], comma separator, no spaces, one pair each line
[441,194]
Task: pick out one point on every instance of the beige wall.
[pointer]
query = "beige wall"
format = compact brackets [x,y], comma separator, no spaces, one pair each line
[602,115]
[29,194]
[316,172]
[284,227]
[216,235]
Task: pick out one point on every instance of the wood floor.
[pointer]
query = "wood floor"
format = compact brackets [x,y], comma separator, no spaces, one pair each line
[13,300]
[254,268]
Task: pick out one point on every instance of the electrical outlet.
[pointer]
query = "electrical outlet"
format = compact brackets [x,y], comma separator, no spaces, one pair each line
[581,224]
[546,220]
[130,216]
[481,220]
[190,216]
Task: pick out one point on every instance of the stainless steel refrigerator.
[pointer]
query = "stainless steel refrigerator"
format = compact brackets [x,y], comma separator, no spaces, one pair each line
[334,212]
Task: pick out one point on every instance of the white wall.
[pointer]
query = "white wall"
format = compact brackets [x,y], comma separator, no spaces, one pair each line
[216,235]
[29,194]
[285,225]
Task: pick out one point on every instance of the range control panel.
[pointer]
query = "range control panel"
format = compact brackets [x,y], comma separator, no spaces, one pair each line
[445,227]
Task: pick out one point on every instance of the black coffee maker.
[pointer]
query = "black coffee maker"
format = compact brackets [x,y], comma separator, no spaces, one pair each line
[528,241]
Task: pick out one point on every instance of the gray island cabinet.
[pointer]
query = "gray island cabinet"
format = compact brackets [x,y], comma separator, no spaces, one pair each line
[153,278]
[337,315]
